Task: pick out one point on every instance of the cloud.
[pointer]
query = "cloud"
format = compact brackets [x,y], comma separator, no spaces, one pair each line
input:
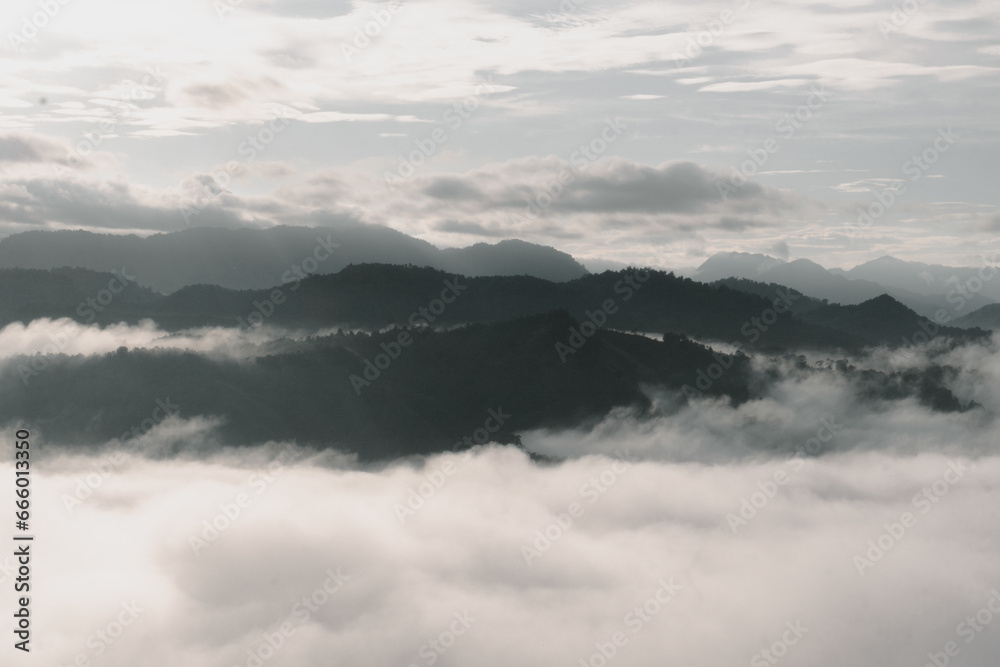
[67,200]
[789,412]
[213,551]
[548,64]
[523,198]
[70,201]
[609,185]
[547,199]
[340,117]
[638,529]
[228,94]
[311,8]
[779,249]
[25,147]
[66,336]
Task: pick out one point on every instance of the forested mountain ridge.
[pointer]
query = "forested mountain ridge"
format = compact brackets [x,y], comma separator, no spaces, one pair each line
[375,296]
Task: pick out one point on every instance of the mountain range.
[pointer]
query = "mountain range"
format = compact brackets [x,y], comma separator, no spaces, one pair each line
[556,350]
[922,287]
[377,296]
[259,258]
[430,394]
[255,259]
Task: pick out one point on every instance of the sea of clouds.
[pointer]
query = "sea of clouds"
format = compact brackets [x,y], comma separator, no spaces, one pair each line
[804,528]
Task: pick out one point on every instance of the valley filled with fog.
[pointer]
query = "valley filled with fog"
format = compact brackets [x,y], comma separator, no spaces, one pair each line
[812,520]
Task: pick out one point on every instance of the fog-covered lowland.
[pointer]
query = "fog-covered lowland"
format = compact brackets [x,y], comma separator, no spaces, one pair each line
[701,530]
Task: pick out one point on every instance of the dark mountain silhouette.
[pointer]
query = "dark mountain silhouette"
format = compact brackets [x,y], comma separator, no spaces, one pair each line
[377,296]
[800,302]
[259,258]
[507,258]
[425,396]
[885,321]
[736,265]
[929,279]
[80,294]
[374,296]
[846,287]
[436,390]
[987,317]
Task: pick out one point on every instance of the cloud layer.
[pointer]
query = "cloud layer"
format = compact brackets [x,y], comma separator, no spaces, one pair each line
[637,529]
[176,94]
[696,534]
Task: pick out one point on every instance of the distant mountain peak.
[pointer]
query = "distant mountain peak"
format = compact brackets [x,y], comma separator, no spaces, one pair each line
[736,264]
[883,301]
[250,258]
[806,262]
[747,255]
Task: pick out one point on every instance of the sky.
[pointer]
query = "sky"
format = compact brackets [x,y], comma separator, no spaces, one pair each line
[638,132]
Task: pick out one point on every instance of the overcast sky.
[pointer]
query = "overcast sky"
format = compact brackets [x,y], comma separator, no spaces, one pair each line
[155,116]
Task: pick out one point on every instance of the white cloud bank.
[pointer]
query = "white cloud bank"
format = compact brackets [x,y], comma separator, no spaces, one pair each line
[66,336]
[699,548]
[462,553]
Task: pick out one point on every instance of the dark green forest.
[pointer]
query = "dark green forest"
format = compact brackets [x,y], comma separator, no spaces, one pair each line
[375,296]
[427,396]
